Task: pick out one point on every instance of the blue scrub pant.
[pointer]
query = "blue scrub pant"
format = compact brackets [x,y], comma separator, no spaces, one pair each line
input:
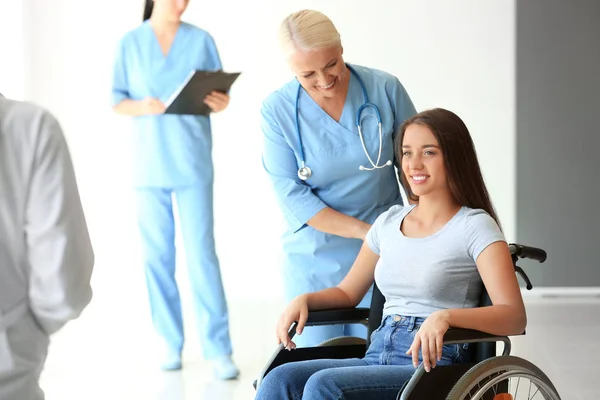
[157,228]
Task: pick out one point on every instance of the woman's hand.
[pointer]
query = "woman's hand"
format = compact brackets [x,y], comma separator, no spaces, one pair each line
[217,101]
[297,310]
[430,338]
[151,106]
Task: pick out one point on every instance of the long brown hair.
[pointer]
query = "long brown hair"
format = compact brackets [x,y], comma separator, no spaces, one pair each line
[460,158]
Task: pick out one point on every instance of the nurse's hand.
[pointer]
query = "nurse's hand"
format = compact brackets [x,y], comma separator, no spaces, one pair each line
[297,310]
[363,229]
[430,339]
[217,101]
[152,106]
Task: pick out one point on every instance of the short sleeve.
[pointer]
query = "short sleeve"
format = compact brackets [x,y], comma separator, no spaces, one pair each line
[296,200]
[373,237]
[214,59]
[120,87]
[481,231]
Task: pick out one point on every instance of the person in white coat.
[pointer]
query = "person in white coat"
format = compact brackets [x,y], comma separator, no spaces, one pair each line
[46,257]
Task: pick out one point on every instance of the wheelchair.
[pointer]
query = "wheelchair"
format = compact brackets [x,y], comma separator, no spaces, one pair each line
[486,375]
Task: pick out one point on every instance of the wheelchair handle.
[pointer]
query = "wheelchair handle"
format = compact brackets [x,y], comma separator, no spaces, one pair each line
[292,331]
[527,252]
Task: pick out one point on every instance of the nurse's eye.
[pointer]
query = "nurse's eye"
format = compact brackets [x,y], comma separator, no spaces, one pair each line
[429,153]
[406,154]
[332,65]
[309,75]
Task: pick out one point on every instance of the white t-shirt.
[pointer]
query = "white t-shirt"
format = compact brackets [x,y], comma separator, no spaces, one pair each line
[418,276]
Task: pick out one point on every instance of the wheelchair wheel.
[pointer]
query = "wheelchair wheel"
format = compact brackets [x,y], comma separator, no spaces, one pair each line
[508,375]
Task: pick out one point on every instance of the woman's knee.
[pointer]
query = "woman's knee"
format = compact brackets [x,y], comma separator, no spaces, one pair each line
[281,383]
[322,385]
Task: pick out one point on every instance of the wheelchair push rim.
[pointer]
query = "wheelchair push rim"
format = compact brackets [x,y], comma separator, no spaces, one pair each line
[484,379]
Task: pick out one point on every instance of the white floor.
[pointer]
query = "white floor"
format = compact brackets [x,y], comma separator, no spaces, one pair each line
[108,353]
[114,357]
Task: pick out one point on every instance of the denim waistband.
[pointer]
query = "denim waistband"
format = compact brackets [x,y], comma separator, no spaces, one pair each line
[402,320]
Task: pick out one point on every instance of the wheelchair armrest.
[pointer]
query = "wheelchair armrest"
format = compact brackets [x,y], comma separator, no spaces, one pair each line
[333,317]
[338,316]
[315,318]
[459,335]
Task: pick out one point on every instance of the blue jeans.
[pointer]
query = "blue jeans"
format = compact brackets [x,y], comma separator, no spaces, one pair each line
[379,375]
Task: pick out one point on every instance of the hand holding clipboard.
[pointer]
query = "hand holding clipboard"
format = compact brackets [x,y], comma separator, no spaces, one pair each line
[217,101]
[189,97]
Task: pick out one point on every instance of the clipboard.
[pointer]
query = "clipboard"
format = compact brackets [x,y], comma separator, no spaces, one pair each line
[189,96]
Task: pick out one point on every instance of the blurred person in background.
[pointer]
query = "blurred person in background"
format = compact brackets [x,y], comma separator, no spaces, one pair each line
[46,257]
[173,160]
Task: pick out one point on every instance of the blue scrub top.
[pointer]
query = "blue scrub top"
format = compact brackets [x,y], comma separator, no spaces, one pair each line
[168,150]
[314,260]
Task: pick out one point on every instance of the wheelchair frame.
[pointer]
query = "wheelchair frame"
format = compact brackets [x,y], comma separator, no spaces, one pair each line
[483,352]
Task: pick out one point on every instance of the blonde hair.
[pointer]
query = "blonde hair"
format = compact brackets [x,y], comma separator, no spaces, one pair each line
[307,30]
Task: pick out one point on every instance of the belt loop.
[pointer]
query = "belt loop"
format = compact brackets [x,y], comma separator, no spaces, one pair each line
[411,323]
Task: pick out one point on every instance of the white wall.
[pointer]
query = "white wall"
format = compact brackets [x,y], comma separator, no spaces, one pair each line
[12,57]
[458,55]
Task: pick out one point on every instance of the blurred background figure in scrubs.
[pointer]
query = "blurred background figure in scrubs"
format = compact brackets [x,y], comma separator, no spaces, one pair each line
[173,160]
[46,258]
[331,180]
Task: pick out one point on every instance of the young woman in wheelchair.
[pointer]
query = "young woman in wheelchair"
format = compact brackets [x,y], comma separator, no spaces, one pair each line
[429,259]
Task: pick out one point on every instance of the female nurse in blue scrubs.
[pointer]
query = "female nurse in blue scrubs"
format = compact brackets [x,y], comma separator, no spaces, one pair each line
[172,161]
[331,180]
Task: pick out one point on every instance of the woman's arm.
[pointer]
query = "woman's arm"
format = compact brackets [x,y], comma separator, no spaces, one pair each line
[59,250]
[347,294]
[147,106]
[122,103]
[334,222]
[353,287]
[300,206]
[507,315]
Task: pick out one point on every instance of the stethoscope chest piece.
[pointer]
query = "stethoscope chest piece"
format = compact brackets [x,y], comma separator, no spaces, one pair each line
[304,172]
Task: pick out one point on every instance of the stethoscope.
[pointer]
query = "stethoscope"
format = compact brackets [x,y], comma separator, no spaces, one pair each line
[304,172]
